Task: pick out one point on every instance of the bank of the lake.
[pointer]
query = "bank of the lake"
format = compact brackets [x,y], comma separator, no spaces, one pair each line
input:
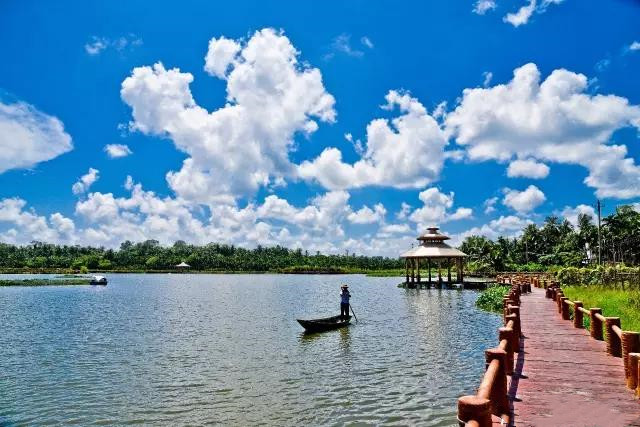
[226,349]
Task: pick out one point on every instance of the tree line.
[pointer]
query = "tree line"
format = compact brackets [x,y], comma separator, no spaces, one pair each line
[150,255]
[558,243]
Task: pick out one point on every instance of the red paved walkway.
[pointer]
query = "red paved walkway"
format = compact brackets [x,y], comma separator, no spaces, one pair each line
[569,379]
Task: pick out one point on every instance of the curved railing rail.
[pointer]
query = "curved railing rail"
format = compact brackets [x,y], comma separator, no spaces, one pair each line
[492,395]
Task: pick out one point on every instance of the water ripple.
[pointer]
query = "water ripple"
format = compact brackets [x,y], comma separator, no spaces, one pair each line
[216,349]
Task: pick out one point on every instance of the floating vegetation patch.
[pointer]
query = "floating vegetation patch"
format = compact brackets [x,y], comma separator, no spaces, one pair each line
[45,282]
[491,299]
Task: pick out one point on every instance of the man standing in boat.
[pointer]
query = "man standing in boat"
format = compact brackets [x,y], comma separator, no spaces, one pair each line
[344,302]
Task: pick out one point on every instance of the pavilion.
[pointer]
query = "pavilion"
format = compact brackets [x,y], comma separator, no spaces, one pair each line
[432,248]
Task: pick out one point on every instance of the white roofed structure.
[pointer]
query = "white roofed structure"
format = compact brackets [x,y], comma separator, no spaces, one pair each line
[183,265]
[432,246]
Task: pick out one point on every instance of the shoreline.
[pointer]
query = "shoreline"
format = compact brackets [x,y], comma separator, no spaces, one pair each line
[372,273]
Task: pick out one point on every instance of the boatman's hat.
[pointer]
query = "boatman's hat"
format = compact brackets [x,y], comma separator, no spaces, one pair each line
[344,286]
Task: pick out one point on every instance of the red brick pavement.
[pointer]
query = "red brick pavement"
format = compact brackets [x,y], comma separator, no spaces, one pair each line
[568,378]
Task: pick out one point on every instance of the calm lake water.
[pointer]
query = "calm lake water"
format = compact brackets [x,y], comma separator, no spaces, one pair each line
[226,349]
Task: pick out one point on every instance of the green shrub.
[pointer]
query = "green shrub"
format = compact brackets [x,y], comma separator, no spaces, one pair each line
[491,299]
[569,276]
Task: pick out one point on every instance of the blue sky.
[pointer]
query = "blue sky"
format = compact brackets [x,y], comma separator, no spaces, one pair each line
[331,126]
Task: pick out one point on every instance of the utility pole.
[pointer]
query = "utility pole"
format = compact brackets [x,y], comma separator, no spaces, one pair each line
[599,206]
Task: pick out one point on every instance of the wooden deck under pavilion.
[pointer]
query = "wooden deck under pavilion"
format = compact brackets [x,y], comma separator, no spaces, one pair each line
[433,251]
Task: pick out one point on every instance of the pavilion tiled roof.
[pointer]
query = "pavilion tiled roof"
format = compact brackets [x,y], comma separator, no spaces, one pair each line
[432,246]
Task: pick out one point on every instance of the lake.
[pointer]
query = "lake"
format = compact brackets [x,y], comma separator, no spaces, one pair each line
[226,349]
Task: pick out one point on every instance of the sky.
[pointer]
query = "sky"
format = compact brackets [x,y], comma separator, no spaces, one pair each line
[329,126]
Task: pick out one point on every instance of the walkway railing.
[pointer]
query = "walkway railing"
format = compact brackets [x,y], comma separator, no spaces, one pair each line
[620,343]
[492,395]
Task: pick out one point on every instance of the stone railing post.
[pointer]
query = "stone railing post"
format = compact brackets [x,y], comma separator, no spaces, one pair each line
[630,344]
[499,398]
[595,324]
[613,341]
[577,314]
[474,408]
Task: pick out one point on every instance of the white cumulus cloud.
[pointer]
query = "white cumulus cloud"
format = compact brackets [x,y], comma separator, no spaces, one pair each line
[26,226]
[483,6]
[28,136]
[555,120]
[571,214]
[116,151]
[523,15]
[85,181]
[523,201]
[245,144]
[407,152]
[506,226]
[366,215]
[527,168]
[436,209]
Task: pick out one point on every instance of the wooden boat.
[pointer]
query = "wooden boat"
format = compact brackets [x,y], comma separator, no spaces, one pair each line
[325,324]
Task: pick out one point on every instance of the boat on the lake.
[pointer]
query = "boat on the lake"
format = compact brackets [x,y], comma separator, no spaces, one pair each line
[324,324]
[98,280]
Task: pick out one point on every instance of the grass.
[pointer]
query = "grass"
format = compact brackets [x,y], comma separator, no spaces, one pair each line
[491,298]
[624,304]
[44,282]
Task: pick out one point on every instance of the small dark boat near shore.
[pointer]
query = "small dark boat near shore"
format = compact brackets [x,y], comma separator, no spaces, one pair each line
[325,324]
[98,280]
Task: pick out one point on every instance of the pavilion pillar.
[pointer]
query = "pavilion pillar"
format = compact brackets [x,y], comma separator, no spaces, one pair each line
[418,264]
[448,271]
[406,269]
[440,273]
[429,268]
[461,277]
[413,271]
